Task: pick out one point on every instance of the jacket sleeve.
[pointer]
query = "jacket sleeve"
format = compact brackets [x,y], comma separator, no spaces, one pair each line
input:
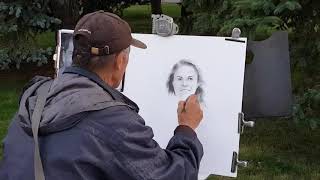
[138,156]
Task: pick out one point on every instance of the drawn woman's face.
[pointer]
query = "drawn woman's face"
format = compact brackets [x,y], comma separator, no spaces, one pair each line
[185,82]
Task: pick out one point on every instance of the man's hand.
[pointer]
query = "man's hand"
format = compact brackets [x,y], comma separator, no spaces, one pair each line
[189,112]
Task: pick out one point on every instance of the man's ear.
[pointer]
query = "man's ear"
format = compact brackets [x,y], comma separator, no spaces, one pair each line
[119,61]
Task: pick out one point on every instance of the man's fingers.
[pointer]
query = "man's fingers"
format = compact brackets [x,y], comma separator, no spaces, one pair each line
[191,101]
[181,106]
[193,98]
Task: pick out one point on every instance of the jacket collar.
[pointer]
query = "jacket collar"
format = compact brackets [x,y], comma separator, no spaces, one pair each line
[116,95]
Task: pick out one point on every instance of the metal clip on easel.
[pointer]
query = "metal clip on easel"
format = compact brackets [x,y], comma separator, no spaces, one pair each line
[243,123]
[235,36]
[163,25]
[236,162]
[236,32]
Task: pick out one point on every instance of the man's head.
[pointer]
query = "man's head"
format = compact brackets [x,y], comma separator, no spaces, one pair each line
[102,44]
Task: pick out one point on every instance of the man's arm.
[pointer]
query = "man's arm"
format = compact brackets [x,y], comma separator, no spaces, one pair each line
[138,156]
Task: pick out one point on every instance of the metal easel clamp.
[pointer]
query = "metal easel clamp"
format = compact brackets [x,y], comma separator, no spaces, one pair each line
[163,25]
[243,123]
[235,36]
[236,162]
[242,163]
[236,32]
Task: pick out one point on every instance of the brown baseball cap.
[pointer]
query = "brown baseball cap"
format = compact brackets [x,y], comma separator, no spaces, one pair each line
[105,33]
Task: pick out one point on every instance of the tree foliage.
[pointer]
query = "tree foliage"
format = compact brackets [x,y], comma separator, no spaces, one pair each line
[114,6]
[254,17]
[257,19]
[23,20]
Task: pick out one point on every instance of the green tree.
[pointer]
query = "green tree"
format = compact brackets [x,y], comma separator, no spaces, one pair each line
[23,20]
[258,19]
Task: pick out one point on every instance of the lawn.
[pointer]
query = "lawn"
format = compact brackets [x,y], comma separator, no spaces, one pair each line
[275,148]
[9,97]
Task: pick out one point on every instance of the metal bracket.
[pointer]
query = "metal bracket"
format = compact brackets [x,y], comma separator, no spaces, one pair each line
[236,32]
[163,25]
[236,162]
[243,123]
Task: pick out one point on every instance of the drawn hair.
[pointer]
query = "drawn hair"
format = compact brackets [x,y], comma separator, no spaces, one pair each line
[185,62]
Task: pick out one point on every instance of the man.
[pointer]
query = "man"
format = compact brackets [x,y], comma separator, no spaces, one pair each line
[88,129]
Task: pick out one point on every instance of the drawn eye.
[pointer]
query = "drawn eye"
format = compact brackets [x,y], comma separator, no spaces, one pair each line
[190,78]
[179,78]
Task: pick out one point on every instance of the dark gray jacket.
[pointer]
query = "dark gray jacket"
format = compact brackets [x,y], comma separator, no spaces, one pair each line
[90,131]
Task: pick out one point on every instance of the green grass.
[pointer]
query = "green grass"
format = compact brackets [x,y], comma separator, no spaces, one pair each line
[275,149]
[279,149]
[9,97]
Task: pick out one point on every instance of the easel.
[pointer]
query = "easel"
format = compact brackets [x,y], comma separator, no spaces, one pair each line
[273,104]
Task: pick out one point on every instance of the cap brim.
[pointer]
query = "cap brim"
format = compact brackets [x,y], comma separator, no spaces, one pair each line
[138,44]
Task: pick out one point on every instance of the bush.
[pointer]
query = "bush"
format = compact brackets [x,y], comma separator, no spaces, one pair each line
[115,6]
[23,20]
[307,107]
[257,19]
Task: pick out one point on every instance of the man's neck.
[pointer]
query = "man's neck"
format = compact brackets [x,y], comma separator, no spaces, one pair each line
[107,78]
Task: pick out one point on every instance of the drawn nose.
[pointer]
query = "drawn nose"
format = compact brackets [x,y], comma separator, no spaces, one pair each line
[184,83]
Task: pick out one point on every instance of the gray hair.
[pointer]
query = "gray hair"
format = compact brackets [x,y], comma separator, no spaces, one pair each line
[94,63]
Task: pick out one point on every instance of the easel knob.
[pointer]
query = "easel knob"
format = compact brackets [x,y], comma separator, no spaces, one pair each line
[242,163]
[236,162]
[236,32]
[55,57]
[243,123]
[248,123]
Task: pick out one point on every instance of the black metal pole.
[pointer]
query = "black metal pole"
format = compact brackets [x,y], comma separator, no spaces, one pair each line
[156,7]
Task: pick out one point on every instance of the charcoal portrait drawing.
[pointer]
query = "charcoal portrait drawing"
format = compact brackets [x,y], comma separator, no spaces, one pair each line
[184,80]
